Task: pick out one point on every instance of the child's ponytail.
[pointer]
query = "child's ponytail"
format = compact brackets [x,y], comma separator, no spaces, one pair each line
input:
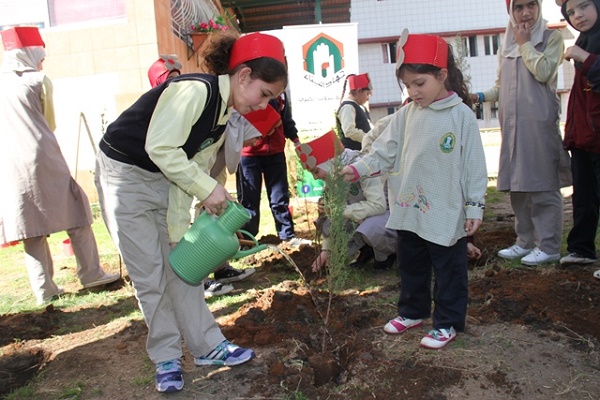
[344,88]
[456,81]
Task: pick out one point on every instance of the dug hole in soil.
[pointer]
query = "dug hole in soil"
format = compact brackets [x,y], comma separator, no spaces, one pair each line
[532,333]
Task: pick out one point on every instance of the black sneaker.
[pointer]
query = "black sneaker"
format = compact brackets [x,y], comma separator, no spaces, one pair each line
[383,265]
[364,257]
[212,288]
[230,274]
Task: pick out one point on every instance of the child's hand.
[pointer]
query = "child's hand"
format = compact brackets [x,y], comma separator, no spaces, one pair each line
[320,261]
[471,226]
[349,174]
[216,202]
[576,53]
[473,252]
[522,33]
[321,206]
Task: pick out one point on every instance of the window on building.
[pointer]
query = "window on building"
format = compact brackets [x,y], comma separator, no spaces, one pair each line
[389,52]
[478,110]
[491,43]
[77,11]
[470,45]
[391,110]
[494,113]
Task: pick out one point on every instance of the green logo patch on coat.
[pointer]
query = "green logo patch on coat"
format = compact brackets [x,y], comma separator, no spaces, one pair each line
[206,143]
[447,142]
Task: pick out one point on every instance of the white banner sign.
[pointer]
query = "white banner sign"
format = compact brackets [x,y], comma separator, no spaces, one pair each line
[319,59]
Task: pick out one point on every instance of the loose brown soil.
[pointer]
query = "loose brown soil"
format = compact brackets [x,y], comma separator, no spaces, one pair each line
[532,333]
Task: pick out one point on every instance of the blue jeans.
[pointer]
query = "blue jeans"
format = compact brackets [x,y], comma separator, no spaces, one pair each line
[249,178]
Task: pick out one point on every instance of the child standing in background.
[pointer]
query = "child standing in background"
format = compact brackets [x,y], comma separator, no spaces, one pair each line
[582,129]
[438,197]
[352,118]
[533,164]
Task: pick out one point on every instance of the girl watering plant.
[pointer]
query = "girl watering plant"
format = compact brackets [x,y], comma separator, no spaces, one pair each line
[160,140]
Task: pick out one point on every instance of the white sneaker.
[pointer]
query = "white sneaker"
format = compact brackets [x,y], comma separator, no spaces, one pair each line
[438,338]
[400,324]
[597,274]
[214,288]
[513,252]
[297,242]
[576,258]
[537,257]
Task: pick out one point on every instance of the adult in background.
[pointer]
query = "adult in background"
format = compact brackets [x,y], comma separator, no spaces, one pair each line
[352,118]
[39,196]
[533,164]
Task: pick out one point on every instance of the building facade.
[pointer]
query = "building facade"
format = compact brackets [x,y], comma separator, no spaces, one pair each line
[475,29]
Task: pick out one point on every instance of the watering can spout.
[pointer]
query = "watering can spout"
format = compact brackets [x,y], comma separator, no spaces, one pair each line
[250,246]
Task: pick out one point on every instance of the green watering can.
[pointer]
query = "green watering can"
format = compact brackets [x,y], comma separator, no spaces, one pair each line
[210,241]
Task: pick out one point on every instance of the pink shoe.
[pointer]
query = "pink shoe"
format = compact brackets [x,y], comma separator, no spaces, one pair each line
[400,324]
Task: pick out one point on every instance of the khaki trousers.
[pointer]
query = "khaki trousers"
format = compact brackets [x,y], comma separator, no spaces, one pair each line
[40,266]
[538,220]
[134,206]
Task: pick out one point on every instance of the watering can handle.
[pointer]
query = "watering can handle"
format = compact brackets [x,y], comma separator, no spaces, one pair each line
[255,249]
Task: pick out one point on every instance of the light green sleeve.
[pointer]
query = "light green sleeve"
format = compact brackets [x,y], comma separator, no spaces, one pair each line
[374,203]
[493,93]
[179,215]
[374,133]
[48,103]
[544,65]
[178,108]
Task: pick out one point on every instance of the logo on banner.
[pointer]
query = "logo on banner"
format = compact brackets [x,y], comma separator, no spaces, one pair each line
[323,60]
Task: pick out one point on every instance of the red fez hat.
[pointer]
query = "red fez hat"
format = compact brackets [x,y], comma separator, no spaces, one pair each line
[361,81]
[319,150]
[21,36]
[423,49]
[256,45]
[162,67]
[264,120]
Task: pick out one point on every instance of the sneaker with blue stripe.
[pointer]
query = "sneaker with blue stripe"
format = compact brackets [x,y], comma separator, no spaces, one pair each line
[227,354]
[169,377]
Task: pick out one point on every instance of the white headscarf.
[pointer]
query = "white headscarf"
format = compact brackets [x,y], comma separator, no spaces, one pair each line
[23,59]
[510,48]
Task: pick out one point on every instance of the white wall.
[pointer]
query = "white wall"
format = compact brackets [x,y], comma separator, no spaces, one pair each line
[387,18]
[379,18]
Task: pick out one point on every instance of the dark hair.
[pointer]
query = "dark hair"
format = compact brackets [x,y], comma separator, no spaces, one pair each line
[455,81]
[215,60]
[344,87]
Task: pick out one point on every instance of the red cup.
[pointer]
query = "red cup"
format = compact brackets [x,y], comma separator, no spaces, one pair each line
[67,248]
